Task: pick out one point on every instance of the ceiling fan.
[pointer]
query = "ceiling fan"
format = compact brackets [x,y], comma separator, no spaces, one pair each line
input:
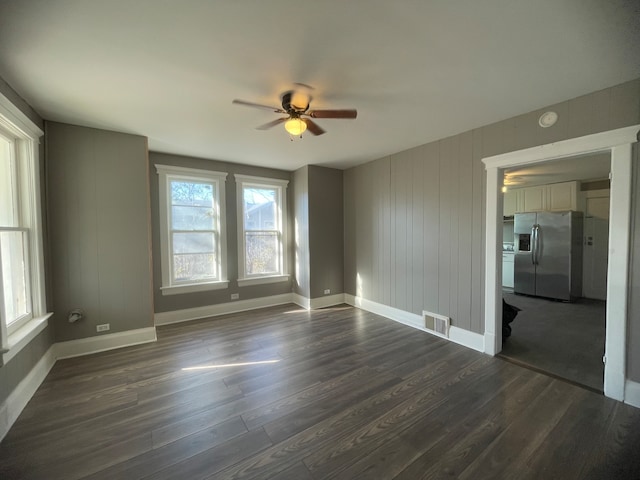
[295,104]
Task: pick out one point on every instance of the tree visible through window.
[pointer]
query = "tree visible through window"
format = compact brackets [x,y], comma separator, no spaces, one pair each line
[261,232]
[194,232]
[262,238]
[192,226]
[14,242]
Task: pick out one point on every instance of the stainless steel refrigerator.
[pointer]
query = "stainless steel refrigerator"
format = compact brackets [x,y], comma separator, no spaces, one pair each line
[548,258]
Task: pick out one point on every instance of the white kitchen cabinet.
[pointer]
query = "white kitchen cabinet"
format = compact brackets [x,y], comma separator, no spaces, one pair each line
[534,199]
[555,197]
[510,201]
[507,269]
[562,196]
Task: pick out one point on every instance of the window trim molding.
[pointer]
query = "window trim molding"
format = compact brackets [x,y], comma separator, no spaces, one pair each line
[281,185]
[165,173]
[27,143]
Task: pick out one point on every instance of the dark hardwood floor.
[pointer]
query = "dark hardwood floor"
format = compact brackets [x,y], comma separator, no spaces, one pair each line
[341,394]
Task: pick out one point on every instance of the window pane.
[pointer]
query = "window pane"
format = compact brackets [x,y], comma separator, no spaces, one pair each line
[14,275]
[8,217]
[262,253]
[260,208]
[193,243]
[192,218]
[194,267]
[191,193]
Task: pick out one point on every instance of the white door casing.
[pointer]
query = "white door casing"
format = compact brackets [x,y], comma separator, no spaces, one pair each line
[618,143]
[596,244]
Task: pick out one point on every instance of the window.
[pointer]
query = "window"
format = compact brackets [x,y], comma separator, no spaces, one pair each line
[262,242]
[192,229]
[22,296]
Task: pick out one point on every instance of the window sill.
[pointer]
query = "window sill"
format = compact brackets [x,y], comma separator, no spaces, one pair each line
[194,287]
[245,282]
[21,337]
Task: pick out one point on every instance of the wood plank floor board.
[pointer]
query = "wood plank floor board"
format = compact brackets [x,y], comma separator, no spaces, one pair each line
[506,456]
[580,423]
[203,464]
[448,454]
[434,404]
[167,453]
[102,429]
[330,431]
[334,387]
[353,395]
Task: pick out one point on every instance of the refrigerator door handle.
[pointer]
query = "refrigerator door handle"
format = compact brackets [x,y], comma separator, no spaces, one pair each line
[536,244]
[532,246]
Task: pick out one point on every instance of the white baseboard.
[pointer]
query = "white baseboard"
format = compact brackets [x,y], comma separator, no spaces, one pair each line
[16,401]
[320,302]
[101,343]
[457,335]
[177,316]
[632,393]
[301,301]
[327,301]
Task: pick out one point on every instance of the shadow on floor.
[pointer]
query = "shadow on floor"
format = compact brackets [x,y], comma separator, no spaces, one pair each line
[563,339]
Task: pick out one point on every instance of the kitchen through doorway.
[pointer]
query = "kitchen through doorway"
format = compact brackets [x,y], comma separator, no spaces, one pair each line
[555,273]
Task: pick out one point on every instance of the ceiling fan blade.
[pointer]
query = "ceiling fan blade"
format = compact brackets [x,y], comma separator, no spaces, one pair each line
[273,123]
[333,113]
[313,127]
[258,105]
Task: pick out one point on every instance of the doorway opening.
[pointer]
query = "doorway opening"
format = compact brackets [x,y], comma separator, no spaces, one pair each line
[558,280]
[618,144]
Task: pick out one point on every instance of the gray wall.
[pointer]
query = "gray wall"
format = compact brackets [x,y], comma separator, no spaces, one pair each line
[199,299]
[19,366]
[99,229]
[326,239]
[301,284]
[414,221]
[633,355]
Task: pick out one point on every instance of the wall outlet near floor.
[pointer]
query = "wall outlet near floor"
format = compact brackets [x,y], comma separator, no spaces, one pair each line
[103,328]
[327,291]
[235,296]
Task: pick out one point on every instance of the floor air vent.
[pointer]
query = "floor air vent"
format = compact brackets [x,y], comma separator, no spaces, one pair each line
[437,324]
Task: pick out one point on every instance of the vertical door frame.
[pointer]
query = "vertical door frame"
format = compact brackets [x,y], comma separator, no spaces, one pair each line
[618,143]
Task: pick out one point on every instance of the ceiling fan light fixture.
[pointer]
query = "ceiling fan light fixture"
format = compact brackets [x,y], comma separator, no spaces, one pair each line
[295,126]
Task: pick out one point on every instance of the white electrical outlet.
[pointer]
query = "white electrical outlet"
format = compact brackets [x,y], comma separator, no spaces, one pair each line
[327,291]
[235,296]
[102,328]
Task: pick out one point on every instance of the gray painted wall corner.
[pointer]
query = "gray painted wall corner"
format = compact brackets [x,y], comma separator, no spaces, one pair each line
[214,297]
[633,354]
[301,267]
[99,224]
[414,231]
[326,227]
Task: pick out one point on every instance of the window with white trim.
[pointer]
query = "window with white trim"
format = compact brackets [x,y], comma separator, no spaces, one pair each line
[262,214]
[192,229]
[14,242]
[22,289]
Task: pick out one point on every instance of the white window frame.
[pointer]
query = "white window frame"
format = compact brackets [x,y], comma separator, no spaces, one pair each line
[167,173]
[25,136]
[280,186]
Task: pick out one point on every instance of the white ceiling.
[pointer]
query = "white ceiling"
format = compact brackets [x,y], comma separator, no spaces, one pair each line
[415,70]
[582,168]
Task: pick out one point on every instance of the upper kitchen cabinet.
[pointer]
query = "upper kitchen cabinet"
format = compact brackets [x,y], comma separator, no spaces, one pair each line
[562,196]
[510,199]
[555,197]
[534,199]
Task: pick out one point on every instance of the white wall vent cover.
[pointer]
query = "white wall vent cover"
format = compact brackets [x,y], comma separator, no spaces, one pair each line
[435,323]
